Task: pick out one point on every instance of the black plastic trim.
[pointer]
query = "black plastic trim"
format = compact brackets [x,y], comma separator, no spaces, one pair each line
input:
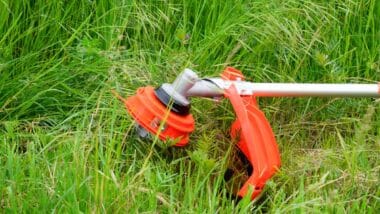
[167,100]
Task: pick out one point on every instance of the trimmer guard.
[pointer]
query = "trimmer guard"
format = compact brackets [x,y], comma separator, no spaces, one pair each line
[254,136]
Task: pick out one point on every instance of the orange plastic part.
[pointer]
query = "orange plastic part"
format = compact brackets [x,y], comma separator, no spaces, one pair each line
[149,113]
[255,139]
[231,73]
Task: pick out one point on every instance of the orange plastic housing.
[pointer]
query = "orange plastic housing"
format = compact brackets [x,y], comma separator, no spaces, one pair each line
[255,139]
[149,113]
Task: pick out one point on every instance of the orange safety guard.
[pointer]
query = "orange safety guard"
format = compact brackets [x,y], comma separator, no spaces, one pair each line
[149,113]
[255,138]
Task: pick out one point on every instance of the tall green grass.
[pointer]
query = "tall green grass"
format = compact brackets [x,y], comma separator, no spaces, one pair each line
[67,144]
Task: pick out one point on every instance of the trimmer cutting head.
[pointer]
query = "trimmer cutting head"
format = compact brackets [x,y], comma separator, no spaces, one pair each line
[164,111]
[155,118]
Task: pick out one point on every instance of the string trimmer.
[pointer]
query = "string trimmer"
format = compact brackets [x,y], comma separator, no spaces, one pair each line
[164,112]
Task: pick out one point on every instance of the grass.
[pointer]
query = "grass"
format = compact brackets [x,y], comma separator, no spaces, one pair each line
[68,145]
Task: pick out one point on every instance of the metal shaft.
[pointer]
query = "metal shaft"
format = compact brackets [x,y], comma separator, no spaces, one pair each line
[215,86]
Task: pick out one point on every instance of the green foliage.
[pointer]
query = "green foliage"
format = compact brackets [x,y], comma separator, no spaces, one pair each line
[67,144]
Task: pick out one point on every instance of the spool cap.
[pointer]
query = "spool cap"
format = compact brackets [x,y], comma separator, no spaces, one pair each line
[152,115]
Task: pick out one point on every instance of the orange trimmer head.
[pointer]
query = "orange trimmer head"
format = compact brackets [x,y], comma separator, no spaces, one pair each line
[164,112]
[154,117]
